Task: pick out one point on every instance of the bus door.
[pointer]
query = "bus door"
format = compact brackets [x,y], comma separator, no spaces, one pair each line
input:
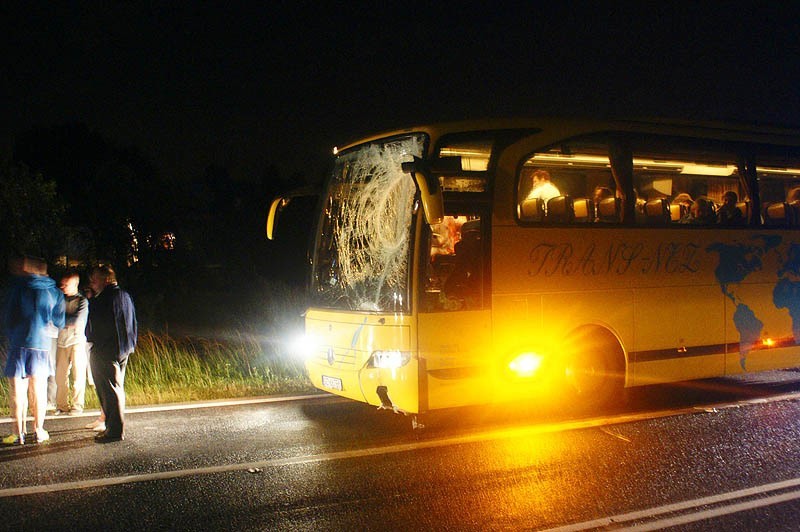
[454,332]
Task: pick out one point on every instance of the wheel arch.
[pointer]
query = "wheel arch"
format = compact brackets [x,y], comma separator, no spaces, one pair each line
[602,334]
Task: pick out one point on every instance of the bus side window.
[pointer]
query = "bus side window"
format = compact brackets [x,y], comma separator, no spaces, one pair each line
[465,282]
[559,184]
[778,178]
[454,273]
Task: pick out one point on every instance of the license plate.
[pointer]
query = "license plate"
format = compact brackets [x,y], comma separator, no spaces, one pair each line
[332,382]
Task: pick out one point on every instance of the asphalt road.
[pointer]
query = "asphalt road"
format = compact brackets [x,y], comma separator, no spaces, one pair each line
[712,455]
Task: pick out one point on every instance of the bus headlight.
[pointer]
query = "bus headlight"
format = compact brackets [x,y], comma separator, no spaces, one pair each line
[304,346]
[390,359]
[526,364]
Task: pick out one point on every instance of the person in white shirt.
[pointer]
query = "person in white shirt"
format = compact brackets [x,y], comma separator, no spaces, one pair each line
[543,189]
[71,352]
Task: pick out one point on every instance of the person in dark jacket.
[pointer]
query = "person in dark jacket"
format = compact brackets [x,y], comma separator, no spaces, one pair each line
[34,313]
[112,331]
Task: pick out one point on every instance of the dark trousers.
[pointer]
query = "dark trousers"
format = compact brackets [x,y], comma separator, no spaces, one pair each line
[109,381]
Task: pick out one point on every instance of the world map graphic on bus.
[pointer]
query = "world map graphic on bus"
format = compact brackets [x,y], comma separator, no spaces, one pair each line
[739,260]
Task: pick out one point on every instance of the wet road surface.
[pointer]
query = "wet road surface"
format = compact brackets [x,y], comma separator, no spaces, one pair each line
[707,455]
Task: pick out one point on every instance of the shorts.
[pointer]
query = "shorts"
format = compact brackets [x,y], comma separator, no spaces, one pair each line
[24,362]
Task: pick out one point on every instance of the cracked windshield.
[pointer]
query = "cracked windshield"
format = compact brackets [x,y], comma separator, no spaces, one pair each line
[363,248]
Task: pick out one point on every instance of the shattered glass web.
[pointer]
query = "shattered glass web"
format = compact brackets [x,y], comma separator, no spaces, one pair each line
[373,228]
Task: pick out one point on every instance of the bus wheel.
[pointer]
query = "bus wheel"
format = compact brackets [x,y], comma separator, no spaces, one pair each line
[595,369]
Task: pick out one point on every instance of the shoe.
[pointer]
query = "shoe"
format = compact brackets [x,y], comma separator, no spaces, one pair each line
[96,423]
[60,412]
[75,412]
[100,428]
[14,439]
[41,435]
[105,437]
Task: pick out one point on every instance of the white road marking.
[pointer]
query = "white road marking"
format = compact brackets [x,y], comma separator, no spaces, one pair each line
[616,520]
[615,434]
[717,512]
[478,437]
[193,405]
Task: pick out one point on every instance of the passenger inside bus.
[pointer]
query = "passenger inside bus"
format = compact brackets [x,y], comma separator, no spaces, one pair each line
[701,213]
[728,213]
[543,188]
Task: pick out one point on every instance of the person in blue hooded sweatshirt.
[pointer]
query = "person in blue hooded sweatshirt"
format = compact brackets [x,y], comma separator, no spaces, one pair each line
[34,310]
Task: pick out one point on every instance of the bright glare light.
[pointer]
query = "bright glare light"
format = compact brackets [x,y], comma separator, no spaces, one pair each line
[304,346]
[526,364]
[768,342]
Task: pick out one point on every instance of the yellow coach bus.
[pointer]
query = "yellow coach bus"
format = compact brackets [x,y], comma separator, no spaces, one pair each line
[464,263]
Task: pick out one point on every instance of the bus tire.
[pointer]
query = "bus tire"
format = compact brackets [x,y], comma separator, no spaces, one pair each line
[595,369]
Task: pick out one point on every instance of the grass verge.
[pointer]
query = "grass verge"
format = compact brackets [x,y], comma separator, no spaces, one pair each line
[169,370]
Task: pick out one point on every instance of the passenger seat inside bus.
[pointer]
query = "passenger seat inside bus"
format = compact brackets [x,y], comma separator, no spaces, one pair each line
[778,214]
[531,210]
[583,210]
[609,210]
[657,212]
[676,212]
[559,210]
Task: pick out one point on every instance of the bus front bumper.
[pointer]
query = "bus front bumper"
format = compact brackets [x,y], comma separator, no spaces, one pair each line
[396,388]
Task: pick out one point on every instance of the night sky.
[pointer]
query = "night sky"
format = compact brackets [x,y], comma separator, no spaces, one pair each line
[244,85]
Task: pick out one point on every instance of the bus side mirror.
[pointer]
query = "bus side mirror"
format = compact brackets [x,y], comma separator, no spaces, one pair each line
[280,202]
[429,191]
[275,209]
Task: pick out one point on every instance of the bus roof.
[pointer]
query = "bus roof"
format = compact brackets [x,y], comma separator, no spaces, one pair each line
[733,131]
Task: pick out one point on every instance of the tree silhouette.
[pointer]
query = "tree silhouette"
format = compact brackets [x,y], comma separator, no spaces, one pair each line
[114,196]
[30,213]
[98,201]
